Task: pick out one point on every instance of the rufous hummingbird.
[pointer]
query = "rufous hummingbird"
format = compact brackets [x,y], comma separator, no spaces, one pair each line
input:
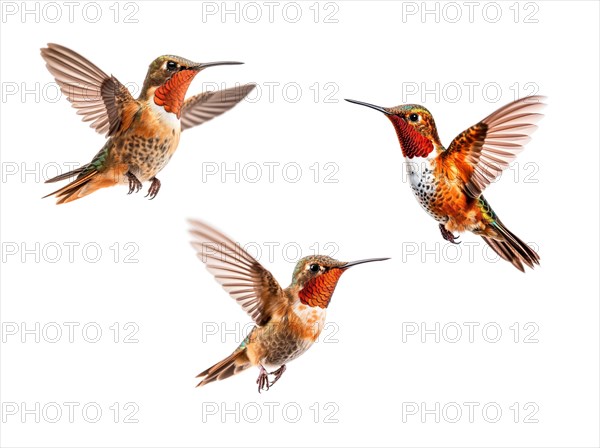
[448,182]
[288,321]
[142,133]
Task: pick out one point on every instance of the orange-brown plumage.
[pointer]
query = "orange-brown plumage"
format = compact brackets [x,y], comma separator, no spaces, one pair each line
[171,94]
[142,133]
[448,182]
[288,321]
[318,291]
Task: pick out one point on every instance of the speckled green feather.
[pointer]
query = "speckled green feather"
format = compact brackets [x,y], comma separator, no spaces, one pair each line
[486,210]
[98,161]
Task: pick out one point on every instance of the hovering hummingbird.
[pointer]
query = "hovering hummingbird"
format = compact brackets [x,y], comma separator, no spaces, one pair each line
[288,321]
[142,133]
[448,182]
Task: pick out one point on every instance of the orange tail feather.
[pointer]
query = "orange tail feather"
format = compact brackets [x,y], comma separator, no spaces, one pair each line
[232,365]
[512,249]
[84,184]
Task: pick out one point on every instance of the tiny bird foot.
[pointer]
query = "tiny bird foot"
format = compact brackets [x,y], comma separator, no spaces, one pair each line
[449,236]
[277,374]
[134,184]
[263,380]
[154,187]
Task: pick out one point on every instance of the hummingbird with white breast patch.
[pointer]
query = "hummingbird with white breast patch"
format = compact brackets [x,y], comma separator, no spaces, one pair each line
[288,320]
[448,182]
[143,133]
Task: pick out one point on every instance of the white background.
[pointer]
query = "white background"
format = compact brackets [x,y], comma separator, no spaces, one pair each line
[375,370]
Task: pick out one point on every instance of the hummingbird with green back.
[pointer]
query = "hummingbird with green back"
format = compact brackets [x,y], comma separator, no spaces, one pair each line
[448,182]
[143,133]
[288,320]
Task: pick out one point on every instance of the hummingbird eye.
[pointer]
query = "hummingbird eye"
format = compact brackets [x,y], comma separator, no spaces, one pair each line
[413,117]
[314,268]
[171,66]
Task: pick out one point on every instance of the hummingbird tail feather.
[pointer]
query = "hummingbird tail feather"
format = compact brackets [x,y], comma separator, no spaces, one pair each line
[87,181]
[67,175]
[511,248]
[232,365]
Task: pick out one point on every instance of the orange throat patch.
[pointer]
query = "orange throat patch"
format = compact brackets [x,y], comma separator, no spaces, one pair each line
[171,94]
[318,291]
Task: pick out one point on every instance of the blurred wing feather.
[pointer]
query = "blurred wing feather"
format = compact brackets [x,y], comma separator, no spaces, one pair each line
[100,98]
[244,278]
[486,149]
[208,105]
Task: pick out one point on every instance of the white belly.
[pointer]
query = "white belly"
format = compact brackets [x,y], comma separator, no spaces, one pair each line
[312,316]
[423,184]
[168,118]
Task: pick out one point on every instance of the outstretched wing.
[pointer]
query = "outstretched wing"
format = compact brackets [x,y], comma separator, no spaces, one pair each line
[100,98]
[208,105]
[484,150]
[251,285]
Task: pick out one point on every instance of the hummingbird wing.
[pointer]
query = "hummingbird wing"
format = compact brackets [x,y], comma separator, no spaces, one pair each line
[208,105]
[250,284]
[100,98]
[484,150]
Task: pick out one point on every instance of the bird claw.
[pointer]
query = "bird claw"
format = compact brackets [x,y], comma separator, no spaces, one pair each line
[154,188]
[134,184]
[449,236]
[277,374]
[263,378]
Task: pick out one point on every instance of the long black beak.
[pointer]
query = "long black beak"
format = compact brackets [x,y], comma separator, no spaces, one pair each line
[368,260]
[372,106]
[213,64]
